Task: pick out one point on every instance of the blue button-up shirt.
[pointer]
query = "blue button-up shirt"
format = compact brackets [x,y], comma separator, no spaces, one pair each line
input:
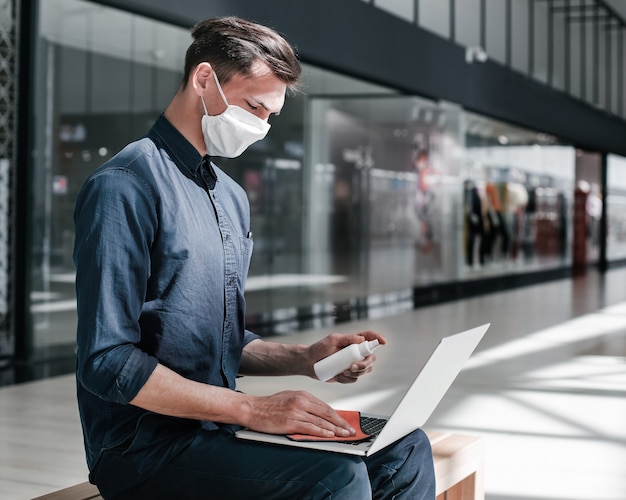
[162,252]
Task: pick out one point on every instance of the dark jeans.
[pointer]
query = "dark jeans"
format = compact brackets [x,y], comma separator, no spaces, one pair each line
[216,465]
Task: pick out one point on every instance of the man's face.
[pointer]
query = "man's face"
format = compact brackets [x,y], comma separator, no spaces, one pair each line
[260,93]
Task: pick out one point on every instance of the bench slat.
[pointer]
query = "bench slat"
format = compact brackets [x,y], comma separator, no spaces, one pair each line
[82,491]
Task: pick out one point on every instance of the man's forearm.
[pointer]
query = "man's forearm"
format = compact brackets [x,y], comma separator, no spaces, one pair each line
[168,393]
[261,357]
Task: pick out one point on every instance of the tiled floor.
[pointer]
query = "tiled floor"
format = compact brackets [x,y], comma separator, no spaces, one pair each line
[546,389]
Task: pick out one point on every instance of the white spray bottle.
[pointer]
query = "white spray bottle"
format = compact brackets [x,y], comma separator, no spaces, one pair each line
[327,368]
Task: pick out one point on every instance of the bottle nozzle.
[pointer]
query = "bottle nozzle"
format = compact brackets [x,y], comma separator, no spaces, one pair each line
[366,348]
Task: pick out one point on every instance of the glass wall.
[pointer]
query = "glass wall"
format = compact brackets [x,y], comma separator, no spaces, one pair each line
[102,77]
[616,208]
[9,63]
[357,195]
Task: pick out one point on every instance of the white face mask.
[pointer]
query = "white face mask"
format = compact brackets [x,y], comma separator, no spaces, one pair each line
[230,133]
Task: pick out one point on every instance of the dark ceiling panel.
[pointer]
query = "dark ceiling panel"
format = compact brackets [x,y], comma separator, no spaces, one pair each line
[359,40]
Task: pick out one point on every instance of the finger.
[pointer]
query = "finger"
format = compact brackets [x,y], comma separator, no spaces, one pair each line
[314,427]
[353,373]
[370,335]
[342,341]
[317,426]
[364,366]
[320,429]
[325,417]
[346,379]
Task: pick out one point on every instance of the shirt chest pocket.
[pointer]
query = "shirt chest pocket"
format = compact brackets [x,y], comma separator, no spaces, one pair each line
[245,255]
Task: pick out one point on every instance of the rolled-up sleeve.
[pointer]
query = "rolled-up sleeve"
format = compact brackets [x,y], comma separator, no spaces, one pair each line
[115,220]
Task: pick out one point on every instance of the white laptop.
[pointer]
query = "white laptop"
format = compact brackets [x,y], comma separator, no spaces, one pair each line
[418,403]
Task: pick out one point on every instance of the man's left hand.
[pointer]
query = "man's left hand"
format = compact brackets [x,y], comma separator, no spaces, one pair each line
[335,342]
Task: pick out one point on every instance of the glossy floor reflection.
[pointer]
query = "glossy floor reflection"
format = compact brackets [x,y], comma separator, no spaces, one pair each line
[546,389]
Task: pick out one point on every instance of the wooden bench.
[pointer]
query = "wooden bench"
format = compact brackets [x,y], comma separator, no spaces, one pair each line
[458,470]
[459,462]
[82,491]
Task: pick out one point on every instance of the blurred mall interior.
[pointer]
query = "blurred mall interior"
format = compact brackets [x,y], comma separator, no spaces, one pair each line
[446,161]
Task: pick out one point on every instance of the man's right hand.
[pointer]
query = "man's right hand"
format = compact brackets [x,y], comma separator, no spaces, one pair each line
[296,412]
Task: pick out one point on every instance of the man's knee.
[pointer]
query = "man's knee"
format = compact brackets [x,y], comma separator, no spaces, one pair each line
[404,469]
[417,450]
[421,443]
[349,479]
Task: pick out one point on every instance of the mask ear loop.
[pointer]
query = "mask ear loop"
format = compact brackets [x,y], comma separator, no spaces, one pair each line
[219,87]
[206,112]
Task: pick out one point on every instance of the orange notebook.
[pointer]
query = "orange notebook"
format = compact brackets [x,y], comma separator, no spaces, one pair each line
[352,417]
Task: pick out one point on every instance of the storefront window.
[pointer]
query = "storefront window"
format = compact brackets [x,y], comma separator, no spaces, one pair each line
[382,213]
[518,188]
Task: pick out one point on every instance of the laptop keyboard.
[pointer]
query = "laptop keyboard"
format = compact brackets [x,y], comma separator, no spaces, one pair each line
[372,425]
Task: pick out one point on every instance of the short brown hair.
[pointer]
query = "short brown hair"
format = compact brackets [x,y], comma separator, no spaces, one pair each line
[232,45]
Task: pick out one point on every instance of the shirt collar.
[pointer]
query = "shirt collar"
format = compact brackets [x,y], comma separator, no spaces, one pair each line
[181,151]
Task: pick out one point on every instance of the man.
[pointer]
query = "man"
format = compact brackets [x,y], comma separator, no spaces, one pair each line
[162,252]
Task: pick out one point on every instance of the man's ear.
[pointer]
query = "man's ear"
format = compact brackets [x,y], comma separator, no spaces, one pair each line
[200,77]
